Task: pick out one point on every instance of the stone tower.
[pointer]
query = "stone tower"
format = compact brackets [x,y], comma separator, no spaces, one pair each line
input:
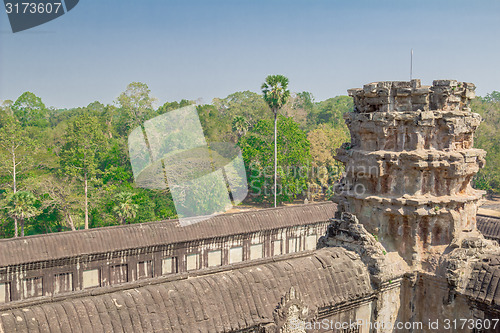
[409,166]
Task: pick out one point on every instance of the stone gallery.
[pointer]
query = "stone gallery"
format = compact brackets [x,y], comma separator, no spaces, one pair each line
[401,250]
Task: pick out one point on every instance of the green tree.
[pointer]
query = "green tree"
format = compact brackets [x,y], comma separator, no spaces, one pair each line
[240,126]
[299,106]
[215,127]
[217,119]
[5,230]
[487,137]
[170,106]
[6,108]
[125,207]
[22,206]
[16,150]
[114,163]
[30,110]
[137,106]
[276,95]
[84,141]
[331,111]
[15,147]
[60,194]
[325,140]
[107,114]
[247,104]
[293,158]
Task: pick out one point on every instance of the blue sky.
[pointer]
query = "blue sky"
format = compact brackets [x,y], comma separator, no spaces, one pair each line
[206,49]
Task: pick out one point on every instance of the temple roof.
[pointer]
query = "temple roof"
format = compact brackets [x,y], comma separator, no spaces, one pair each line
[489,226]
[109,239]
[216,302]
[484,282]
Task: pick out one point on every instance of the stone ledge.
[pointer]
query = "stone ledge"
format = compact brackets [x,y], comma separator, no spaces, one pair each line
[416,201]
[411,115]
[400,96]
[431,155]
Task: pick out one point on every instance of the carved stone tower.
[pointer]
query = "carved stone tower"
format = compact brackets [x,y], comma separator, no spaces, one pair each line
[409,166]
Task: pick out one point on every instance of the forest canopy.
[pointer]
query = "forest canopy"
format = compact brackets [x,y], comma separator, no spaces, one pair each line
[68,169]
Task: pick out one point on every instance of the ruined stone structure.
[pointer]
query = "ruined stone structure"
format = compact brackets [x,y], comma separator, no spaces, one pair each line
[402,251]
[408,172]
[409,166]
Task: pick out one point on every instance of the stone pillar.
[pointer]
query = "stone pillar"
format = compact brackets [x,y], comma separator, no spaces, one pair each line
[409,166]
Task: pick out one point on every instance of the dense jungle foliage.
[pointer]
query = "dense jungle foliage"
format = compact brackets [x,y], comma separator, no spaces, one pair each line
[68,169]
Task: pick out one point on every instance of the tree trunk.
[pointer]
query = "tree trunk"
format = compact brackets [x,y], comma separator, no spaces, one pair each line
[22,227]
[14,188]
[70,221]
[275,153]
[86,203]
[14,180]
[108,123]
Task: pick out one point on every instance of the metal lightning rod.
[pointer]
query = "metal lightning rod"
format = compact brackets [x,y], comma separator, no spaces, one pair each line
[411,64]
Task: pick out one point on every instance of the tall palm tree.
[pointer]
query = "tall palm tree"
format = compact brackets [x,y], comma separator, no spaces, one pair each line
[22,206]
[125,207]
[276,95]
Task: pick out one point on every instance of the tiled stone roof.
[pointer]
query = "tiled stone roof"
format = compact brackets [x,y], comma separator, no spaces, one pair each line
[484,283]
[217,302]
[101,240]
[489,226]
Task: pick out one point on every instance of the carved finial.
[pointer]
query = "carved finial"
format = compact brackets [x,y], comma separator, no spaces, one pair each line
[291,313]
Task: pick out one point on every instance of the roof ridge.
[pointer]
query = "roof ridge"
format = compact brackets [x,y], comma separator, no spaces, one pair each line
[138,225]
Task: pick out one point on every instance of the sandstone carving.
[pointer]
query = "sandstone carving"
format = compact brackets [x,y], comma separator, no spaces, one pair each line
[409,166]
[346,231]
[408,176]
[291,314]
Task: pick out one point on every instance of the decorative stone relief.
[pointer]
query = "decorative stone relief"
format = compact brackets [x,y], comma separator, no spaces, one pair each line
[291,314]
